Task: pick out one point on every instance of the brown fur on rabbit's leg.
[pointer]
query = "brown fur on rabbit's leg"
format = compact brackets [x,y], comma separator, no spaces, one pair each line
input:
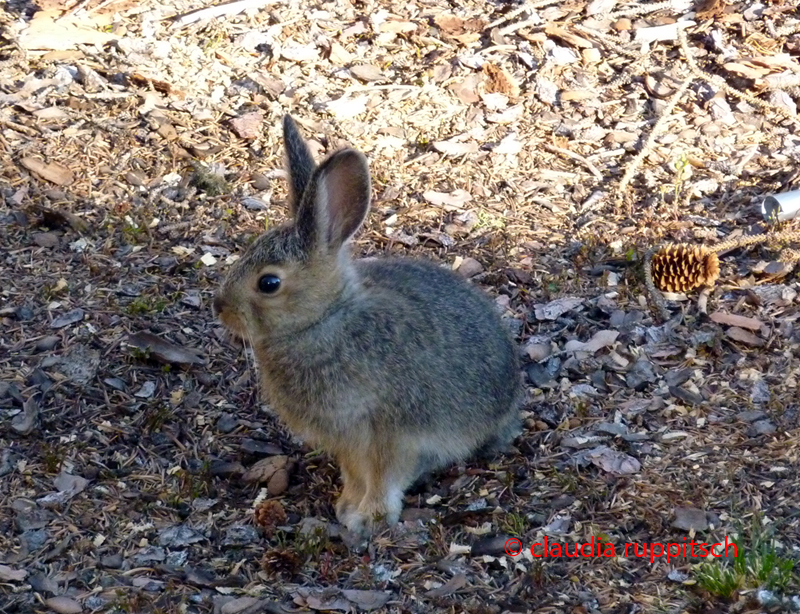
[353,489]
[387,472]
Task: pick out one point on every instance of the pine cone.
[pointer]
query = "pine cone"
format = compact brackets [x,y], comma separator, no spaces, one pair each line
[270,514]
[682,267]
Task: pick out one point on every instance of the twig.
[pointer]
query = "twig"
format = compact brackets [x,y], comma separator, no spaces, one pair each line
[677,5]
[655,294]
[370,88]
[518,11]
[722,84]
[571,154]
[219,10]
[510,29]
[657,128]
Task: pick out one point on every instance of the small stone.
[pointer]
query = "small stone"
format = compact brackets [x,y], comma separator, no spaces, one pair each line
[225,469]
[34,539]
[687,396]
[537,351]
[115,383]
[135,179]
[760,392]
[591,55]
[622,24]
[67,319]
[64,605]
[257,447]
[278,483]
[469,267]
[227,423]
[45,344]
[24,313]
[762,427]
[751,416]
[111,561]
[690,519]
[260,181]
[415,514]
[240,535]
[539,376]
[612,428]
[179,536]
[254,204]
[45,239]
[150,554]
[147,390]
[492,546]
[640,375]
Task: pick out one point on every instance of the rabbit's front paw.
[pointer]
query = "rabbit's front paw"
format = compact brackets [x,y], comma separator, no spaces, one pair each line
[373,514]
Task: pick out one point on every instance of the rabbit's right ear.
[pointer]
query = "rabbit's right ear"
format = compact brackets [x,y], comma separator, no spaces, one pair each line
[299,161]
[335,202]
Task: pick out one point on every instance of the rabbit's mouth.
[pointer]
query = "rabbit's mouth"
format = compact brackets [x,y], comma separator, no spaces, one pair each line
[233,324]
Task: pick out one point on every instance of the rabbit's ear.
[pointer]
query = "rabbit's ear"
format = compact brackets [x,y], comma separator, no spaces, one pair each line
[336,201]
[299,161]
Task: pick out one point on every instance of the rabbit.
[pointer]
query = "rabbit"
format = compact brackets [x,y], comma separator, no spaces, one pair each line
[395,367]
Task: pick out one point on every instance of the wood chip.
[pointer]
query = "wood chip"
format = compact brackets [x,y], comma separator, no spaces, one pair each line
[367,72]
[722,317]
[53,172]
[739,334]
[164,350]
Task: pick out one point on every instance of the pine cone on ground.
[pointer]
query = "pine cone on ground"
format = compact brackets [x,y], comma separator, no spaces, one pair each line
[683,267]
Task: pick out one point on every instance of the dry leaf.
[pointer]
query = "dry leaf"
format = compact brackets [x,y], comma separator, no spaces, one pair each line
[467,90]
[367,72]
[555,309]
[600,340]
[740,334]
[568,37]
[248,126]
[7,574]
[48,30]
[162,350]
[454,26]
[613,461]
[398,27]
[452,147]
[64,605]
[454,200]
[721,317]
[339,55]
[300,53]
[347,108]
[499,80]
[509,116]
[509,145]
[367,600]
[448,588]
[690,519]
[53,172]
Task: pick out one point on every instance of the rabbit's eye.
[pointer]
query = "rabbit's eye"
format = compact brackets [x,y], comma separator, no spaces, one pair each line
[269,284]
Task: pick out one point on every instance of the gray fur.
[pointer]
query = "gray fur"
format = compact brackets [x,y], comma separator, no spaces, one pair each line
[397,367]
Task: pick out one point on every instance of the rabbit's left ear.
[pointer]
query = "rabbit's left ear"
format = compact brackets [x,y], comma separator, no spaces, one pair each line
[336,200]
[300,163]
